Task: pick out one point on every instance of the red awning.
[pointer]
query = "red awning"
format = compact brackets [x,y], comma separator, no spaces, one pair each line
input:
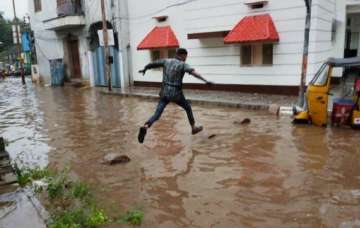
[259,28]
[159,37]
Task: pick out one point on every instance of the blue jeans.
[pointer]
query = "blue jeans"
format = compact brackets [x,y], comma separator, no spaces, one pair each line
[162,105]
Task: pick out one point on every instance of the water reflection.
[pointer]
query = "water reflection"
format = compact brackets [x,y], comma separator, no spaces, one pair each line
[21,124]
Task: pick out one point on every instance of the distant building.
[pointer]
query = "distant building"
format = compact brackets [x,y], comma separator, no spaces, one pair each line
[67,30]
[247,45]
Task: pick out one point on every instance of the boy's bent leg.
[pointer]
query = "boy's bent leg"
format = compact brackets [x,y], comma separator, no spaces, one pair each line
[187,107]
[159,110]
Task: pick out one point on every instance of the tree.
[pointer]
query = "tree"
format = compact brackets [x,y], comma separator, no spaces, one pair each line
[5,36]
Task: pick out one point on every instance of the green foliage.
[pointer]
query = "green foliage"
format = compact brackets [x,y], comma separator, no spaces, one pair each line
[133,217]
[57,185]
[27,176]
[23,177]
[68,219]
[39,174]
[80,190]
[55,189]
[5,35]
[97,217]
[38,189]
[81,218]
[71,203]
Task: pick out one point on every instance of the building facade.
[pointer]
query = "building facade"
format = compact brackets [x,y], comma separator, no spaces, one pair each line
[227,45]
[247,45]
[67,31]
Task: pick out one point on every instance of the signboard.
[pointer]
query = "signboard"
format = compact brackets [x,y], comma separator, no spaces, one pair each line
[25,42]
[111,41]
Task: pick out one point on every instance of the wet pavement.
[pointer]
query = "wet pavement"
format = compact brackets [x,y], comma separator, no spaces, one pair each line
[243,100]
[20,210]
[265,174]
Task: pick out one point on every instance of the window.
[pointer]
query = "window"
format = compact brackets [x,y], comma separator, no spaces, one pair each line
[155,55]
[246,55]
[257,54]
[256,4]
[268,54]
[171,53]
[162,54]
[37,5]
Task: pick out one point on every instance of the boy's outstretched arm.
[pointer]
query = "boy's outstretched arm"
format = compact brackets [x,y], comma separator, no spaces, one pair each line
[198,76]
[156,64]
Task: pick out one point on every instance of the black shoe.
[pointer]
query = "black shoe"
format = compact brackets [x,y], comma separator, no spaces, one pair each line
[142,133]
[197,130]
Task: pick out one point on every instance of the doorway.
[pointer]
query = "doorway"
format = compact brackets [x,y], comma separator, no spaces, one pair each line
[74,59]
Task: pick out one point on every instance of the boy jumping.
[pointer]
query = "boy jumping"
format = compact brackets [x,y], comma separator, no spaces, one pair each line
[171,89]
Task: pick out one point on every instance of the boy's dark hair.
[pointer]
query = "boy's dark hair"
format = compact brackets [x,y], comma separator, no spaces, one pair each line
[181,51]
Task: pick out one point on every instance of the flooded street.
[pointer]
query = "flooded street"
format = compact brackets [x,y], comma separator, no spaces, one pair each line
[265,174]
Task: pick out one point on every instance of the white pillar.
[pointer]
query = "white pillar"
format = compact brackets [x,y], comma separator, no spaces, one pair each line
[91,69]
[122,74]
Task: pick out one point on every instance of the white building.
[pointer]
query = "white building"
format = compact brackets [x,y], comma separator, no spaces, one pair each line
[245,45]
[67,30]
[262,65]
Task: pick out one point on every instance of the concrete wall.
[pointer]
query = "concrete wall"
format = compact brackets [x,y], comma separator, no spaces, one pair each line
[221,63]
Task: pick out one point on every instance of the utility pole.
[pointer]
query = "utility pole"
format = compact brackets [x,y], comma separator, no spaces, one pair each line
[16,24]
[308,4]
[106,45]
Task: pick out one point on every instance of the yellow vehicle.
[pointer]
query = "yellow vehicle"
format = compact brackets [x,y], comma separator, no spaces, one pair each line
[317,95]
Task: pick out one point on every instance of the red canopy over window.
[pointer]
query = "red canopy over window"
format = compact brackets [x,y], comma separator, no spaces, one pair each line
[259,28]
[159,37]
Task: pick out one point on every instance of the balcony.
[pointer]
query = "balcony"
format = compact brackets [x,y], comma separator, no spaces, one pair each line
[70,15]
[69,8]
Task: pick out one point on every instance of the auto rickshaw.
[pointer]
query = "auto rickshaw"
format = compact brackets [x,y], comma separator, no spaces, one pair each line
[315,110]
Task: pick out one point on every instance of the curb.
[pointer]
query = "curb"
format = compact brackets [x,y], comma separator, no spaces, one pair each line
[248,106]
[286,111]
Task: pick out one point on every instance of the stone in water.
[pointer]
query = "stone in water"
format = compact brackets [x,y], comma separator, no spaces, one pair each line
[113,159]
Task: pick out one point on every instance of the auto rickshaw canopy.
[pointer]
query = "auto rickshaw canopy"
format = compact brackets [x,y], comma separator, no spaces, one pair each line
[341,62]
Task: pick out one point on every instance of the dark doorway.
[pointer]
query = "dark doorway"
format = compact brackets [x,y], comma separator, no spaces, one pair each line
[74,59]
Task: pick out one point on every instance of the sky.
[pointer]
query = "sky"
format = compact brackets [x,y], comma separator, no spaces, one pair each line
[21,8]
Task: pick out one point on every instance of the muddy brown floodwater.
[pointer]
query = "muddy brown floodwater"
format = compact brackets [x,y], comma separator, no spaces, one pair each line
[265,174]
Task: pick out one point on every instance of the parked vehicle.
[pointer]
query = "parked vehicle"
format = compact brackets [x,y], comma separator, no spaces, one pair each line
[344,112]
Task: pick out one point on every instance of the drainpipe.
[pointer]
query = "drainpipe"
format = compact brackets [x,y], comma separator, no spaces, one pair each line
[308,4]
